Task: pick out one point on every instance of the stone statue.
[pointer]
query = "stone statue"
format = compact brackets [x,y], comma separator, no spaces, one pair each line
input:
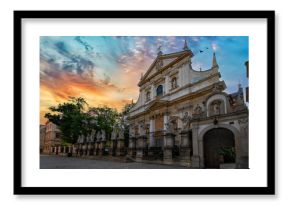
[147,129]
[114,134]
[103,135]
[99,136]
[198,110]
[216,108]
[186,120]
[167,127]
[81,139]
[173,83]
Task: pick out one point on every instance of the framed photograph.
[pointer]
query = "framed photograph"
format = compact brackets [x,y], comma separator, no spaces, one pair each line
[144,102]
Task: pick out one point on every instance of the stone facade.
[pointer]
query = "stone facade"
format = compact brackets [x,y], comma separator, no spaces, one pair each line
[51,142]
[176,109]
[182,116]
[42,129]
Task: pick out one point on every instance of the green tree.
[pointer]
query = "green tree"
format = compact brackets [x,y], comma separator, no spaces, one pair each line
[70,118]
[105,117]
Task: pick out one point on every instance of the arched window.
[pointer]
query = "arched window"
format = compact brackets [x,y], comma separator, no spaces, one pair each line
[159,90]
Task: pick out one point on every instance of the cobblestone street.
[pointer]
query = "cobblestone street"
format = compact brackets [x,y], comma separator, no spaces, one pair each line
[58,162]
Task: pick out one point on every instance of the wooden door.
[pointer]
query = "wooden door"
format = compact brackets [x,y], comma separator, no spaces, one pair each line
[213,141]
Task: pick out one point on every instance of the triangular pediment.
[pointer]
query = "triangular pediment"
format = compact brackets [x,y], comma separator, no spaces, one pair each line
[162,62]
[156,104]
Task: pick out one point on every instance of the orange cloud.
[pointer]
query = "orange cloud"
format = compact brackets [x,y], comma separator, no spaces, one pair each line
[57,85]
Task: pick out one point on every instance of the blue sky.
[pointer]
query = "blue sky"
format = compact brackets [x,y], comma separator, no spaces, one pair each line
[106,69]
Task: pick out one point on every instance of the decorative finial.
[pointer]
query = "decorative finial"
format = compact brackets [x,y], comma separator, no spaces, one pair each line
[239,85]
[185,47]
[214,62]
[159,52]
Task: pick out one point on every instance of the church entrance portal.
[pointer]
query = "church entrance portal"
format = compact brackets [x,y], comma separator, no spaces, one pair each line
[214,140]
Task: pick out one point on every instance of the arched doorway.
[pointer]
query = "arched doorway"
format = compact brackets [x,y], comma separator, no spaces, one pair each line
[213,141]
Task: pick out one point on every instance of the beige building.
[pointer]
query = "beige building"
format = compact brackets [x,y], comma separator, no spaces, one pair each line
[184,116]
[52,138]
[42,137]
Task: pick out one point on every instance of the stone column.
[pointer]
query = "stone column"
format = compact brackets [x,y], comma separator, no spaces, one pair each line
[141,146]
[151,138]
[103,146]
[111,149]
[242,155]
[132,146]
[95,148]
[83,149]
[89,149]
[63,150]
[185,148]
[59,150]
[79,149]
[153,94]
[69,152]
[73,151]
[195,150]
[165,125]
[120,147]
[151,133]
[168,148]
[167,84]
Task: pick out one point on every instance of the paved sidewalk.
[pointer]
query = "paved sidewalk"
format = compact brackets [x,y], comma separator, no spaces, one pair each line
[59,162]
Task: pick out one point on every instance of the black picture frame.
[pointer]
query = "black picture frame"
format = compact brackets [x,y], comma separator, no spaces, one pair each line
[268,190]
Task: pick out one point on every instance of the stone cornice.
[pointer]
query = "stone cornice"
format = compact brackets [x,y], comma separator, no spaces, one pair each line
[189,96]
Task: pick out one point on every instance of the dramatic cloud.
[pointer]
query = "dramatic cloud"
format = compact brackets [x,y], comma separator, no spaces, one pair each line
[106,70]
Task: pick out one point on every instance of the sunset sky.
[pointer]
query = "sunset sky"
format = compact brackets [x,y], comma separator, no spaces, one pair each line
[105,70]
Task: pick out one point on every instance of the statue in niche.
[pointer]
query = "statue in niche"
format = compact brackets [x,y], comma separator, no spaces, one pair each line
[167,127]
[216,107]
[186,120]
[142,128]
[147,129]
[148,96]
[173,124]
[173,83]
[198,110]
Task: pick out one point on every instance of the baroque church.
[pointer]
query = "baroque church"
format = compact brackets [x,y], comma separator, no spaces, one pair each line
[184,116]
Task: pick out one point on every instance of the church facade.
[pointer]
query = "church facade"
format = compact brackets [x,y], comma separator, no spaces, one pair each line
[184,116]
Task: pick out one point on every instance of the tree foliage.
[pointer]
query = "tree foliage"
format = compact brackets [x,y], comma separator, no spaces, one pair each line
[74,118]
[105,117]
[70,118]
